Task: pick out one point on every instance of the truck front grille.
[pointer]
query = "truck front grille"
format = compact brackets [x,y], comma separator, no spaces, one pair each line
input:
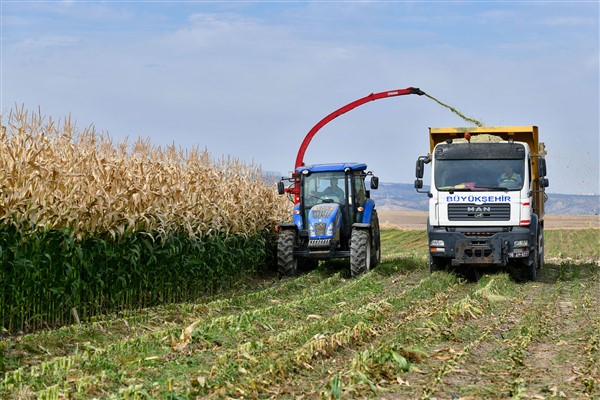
[474,212]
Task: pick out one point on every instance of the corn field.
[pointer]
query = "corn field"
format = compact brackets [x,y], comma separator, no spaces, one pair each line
[89,225]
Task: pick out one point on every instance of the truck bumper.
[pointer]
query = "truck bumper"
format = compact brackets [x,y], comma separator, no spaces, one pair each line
[483,246]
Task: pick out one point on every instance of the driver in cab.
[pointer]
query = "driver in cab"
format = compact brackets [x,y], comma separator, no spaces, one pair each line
[334,190]
[509,179]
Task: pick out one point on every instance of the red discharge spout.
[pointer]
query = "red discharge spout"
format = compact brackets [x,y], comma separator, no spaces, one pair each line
[345,109]
[307,139]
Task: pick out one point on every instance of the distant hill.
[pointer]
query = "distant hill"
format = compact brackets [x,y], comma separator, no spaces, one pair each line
[402,196]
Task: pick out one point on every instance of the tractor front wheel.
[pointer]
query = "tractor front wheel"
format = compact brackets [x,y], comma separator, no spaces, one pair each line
[360,252]
[287,264]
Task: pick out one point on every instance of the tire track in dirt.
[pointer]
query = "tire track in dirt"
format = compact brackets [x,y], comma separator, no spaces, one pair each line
[371,364]
[546,347]
[275,363]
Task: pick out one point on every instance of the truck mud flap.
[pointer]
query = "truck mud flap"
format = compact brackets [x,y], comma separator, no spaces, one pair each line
[490,252]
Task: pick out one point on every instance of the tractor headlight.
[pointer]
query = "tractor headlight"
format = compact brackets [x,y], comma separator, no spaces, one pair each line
[311,230]
[521,243]
[329,231]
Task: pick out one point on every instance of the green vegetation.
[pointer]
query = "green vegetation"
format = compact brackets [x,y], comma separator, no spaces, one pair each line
[394,332]
[576,244]
[51,278]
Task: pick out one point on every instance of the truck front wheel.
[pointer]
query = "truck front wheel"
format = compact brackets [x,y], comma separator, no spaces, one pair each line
[287,264]
[436,264]
[529,267]
[360,252]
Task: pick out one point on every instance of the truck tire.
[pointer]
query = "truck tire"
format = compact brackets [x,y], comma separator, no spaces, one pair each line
[375,241]
[287,265]
[529,267]
[541,249]
[436,264]
[360,252]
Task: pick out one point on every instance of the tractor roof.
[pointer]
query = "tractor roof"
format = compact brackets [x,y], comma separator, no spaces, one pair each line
[333,167]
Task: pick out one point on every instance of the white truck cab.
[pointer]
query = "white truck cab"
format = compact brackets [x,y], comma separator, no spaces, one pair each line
[487,197]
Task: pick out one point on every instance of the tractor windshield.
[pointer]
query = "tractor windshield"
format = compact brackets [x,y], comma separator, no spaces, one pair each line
[324,187]
[466,175]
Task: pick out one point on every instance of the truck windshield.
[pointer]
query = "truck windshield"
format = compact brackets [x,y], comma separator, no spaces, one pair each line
[324,187]
[466,175]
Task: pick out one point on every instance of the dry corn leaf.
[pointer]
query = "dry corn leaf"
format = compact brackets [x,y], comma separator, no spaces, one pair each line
[186,336]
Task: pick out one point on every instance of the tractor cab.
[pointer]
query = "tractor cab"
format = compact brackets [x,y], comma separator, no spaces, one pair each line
[334,194]
[333,204]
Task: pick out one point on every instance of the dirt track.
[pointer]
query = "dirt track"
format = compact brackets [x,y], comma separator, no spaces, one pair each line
[418,219]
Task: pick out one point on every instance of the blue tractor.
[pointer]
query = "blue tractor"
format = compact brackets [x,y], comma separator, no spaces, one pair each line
[333,214]
[333,218]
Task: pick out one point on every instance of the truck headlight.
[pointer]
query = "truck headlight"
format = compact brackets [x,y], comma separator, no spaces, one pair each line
[437,246]
[329,231]
[311,230]
[521,243]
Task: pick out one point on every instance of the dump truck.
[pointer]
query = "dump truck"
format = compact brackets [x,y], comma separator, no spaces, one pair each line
[486,199]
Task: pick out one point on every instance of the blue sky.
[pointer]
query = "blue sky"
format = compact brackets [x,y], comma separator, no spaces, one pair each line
[250,79]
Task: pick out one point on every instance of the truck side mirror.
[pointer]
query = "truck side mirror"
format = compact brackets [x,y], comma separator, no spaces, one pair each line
[542,166]
[420,168]
[418,184]
[544,182]
[280,187]
[374,182]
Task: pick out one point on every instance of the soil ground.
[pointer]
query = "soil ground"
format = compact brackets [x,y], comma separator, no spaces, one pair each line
[406,219]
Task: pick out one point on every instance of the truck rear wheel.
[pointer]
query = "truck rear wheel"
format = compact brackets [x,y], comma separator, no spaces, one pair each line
[287,265]
[540,256]
[360,252]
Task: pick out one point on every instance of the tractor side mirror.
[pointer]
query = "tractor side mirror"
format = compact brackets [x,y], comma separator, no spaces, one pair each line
[280,187]
[542,167]
[374,182]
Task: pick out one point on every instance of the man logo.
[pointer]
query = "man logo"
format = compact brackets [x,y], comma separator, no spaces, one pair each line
[478,215]
[479,209]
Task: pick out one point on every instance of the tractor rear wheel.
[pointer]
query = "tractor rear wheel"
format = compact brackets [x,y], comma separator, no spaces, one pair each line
[360,252]
[287,265]
[376,241]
